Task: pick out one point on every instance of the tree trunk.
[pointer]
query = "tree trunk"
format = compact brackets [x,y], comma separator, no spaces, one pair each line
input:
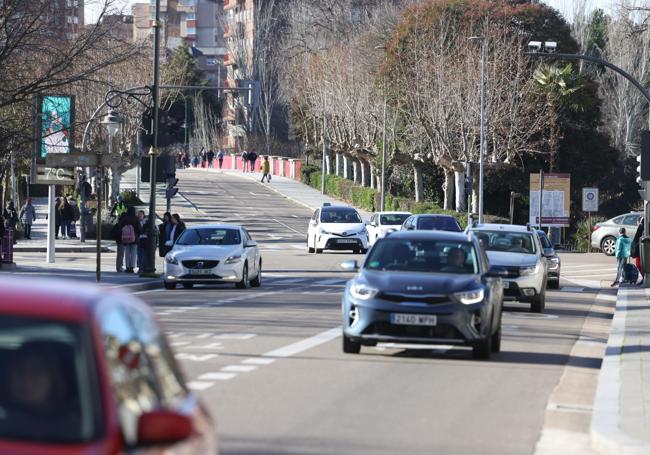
[459,180]
[338,164]
[448,189]
[364,172]
[356,175]
[373,177]
[328,163]
[346,167]
[419,183]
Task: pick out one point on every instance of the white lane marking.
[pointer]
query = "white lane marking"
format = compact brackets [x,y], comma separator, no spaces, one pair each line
[239,368]
[204,335]
[292,280]
[331,281]
[587,275]
[571,289]
[235,336]
[303,345]
[199,385]
[149,291]
[217,376]
[509,327]
[177,344]
[288,227]
[175,334]
[258,361]
[194,357]
[210,346]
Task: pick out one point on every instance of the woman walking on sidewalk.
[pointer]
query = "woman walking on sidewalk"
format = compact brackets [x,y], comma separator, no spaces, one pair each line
[67,214]
[27,218]
[623,247]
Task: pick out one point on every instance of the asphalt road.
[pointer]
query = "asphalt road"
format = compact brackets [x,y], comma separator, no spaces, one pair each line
[268,361]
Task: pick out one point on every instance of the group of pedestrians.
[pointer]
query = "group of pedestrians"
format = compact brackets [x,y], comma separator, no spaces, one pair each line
[206,158]
[248,160]
[168,232]
[66,215]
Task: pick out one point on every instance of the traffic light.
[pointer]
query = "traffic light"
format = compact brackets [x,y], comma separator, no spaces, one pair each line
[644,157]
[164,138]
[172,181]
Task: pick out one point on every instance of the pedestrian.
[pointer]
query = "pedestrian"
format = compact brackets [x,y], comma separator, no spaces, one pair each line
[204,157]
[67,214]
[266,170]
[129,234]
[11,218]
[119,208]
[244,160]
[142,241]
[252,157]
[177,229]
[623,246]
[210,156]
[164,230]
[117,236]
[57,217]
[186,160]
[76,214]
[195,161]
[27,217]
[636,250]
[220,158]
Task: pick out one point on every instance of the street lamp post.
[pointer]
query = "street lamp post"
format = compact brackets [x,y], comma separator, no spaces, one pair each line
[383,145]
[112,123]
[481,164]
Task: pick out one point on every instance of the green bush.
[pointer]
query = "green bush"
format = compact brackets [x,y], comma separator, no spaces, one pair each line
[582,236]
[306,172]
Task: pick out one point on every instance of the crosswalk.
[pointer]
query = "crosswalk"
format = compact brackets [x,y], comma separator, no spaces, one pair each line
[588,275]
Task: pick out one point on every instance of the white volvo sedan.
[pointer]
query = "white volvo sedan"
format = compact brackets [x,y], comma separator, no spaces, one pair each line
[213,254]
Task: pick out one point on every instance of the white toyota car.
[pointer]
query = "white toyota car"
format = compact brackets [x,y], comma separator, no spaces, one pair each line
[213,254]
[382,223]
[337,228]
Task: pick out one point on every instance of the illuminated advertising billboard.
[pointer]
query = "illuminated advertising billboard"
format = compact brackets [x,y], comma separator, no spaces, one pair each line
[56,114]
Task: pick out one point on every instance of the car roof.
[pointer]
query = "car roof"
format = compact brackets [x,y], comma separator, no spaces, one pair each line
[434,215]
[500,227]
[329,208]
[431,235]
[393,213]
[215,226]
[48,298]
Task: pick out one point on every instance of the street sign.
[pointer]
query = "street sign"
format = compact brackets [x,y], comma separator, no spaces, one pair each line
[556,200]
[48,175]
[83,160]
[590,199]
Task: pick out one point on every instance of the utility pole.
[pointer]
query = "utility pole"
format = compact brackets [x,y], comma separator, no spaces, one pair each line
[482,134]
[153,152]
[324,171]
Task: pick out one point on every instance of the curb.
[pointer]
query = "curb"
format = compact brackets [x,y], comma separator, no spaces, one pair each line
[606,435]
[65,249]
[136,287]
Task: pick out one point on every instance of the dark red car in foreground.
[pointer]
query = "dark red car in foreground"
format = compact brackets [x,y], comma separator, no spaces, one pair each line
[86,370]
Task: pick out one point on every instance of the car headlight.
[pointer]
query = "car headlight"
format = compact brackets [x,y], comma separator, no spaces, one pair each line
[233,259]
[470,297]
[323,231]
[530,270]
[362,291]
[363,231]
[171,259]
[555,260]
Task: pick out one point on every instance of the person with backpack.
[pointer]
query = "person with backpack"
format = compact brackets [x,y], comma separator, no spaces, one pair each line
[129,233]
[244,160]
[252,157]
[210,156]
[27,218]
[266,170]
[636,250]
[623,247]
[220,158]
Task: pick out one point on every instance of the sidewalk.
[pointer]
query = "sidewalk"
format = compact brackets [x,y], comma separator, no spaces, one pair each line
[291,189]
[621,417]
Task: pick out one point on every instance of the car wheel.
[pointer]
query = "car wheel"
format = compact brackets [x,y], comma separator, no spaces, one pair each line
[538,303]
[364,250]
[351,347]
[555,284]
[496,341]
[169,285]
[483,349]
[309,249]
[608,245]
[319,251]
[188,285]
[244,283]
[257,281]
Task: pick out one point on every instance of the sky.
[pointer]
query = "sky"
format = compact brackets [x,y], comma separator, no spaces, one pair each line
[566,7]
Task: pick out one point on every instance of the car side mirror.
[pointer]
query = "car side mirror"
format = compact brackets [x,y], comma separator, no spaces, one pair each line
[163,427]
[350,265]
[497,272]
[250,243]
[411,228]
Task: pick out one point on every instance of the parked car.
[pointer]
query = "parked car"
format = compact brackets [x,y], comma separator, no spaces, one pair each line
[213,254]
[427,222]
[382,223]
[88,370]
[554,264]
[424,287]
[518,249]
[337,227]
[604,234]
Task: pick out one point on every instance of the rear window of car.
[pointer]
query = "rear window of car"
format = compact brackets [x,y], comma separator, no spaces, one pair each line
[48,383]
[438,223]
[208,236]
[631,220]
[429,256]
[393,219]
[340,216]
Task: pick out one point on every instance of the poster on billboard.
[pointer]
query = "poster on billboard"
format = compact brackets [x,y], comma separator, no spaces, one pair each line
[556,199]
[54,117]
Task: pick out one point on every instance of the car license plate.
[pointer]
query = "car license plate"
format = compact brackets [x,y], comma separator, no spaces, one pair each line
[413,319]
[200,271]
[347,241]
[506,285]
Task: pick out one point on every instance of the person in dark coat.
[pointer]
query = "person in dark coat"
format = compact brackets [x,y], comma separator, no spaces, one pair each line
[164,229]
[67,215]
[252,157]
[129,229]
[27,217]
[11,216]
[636,250]
[177,229]
[210,156]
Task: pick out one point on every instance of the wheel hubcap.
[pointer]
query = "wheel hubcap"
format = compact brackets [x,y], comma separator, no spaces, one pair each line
[609,246]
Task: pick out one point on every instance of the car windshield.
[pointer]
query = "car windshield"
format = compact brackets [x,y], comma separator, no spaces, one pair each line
[429,256]
[393,219]
[509,242]
[48,389]
[546,243]
[438,223]
[340,216]
[210,236]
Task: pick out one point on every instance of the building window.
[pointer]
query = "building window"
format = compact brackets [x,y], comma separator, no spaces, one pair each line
[76,20]
[211,62]
[69,19]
